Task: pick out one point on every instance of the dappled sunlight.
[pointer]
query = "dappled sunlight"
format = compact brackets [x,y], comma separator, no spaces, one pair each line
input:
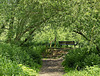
[36,31]
[30,71]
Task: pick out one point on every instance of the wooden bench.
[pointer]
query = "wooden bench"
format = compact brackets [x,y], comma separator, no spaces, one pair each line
[67,43]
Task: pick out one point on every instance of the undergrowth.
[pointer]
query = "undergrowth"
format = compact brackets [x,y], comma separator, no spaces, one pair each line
[13,59]
[82,62]
[88,71]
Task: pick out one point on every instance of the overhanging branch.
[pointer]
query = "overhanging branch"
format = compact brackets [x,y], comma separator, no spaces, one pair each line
[78,32]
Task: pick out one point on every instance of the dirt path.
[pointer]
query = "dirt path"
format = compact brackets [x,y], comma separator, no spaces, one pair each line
[52,67]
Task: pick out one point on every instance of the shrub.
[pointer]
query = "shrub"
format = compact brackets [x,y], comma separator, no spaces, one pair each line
[40,49]
[81,57]
[88,71]
[75,58]
[23,55]
[32,57]
[92,59]
[10,68]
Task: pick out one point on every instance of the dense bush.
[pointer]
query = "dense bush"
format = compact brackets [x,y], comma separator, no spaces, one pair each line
[32,56]
[81,57]
[10,68]
[92,59]
[89,71]
[40,49]
[21,55]
[74,58]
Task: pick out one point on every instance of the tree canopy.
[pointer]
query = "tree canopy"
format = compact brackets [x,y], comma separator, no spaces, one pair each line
[21,18]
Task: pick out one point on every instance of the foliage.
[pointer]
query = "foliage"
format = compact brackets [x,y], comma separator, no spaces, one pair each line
[75,58]
[92,59]
[21,19]
[32,56]
[10,68]
[28,70]
[24,56]
[84,19]
[61,33]
[89,71]
[40,48]
[23,22]
[80,58]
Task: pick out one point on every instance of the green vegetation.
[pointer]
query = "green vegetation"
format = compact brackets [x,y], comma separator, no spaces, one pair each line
[88,71]
[81,57]
[9,68]
[13,59]
[26,26]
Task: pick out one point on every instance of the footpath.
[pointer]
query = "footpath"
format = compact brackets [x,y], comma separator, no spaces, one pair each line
[52,67]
